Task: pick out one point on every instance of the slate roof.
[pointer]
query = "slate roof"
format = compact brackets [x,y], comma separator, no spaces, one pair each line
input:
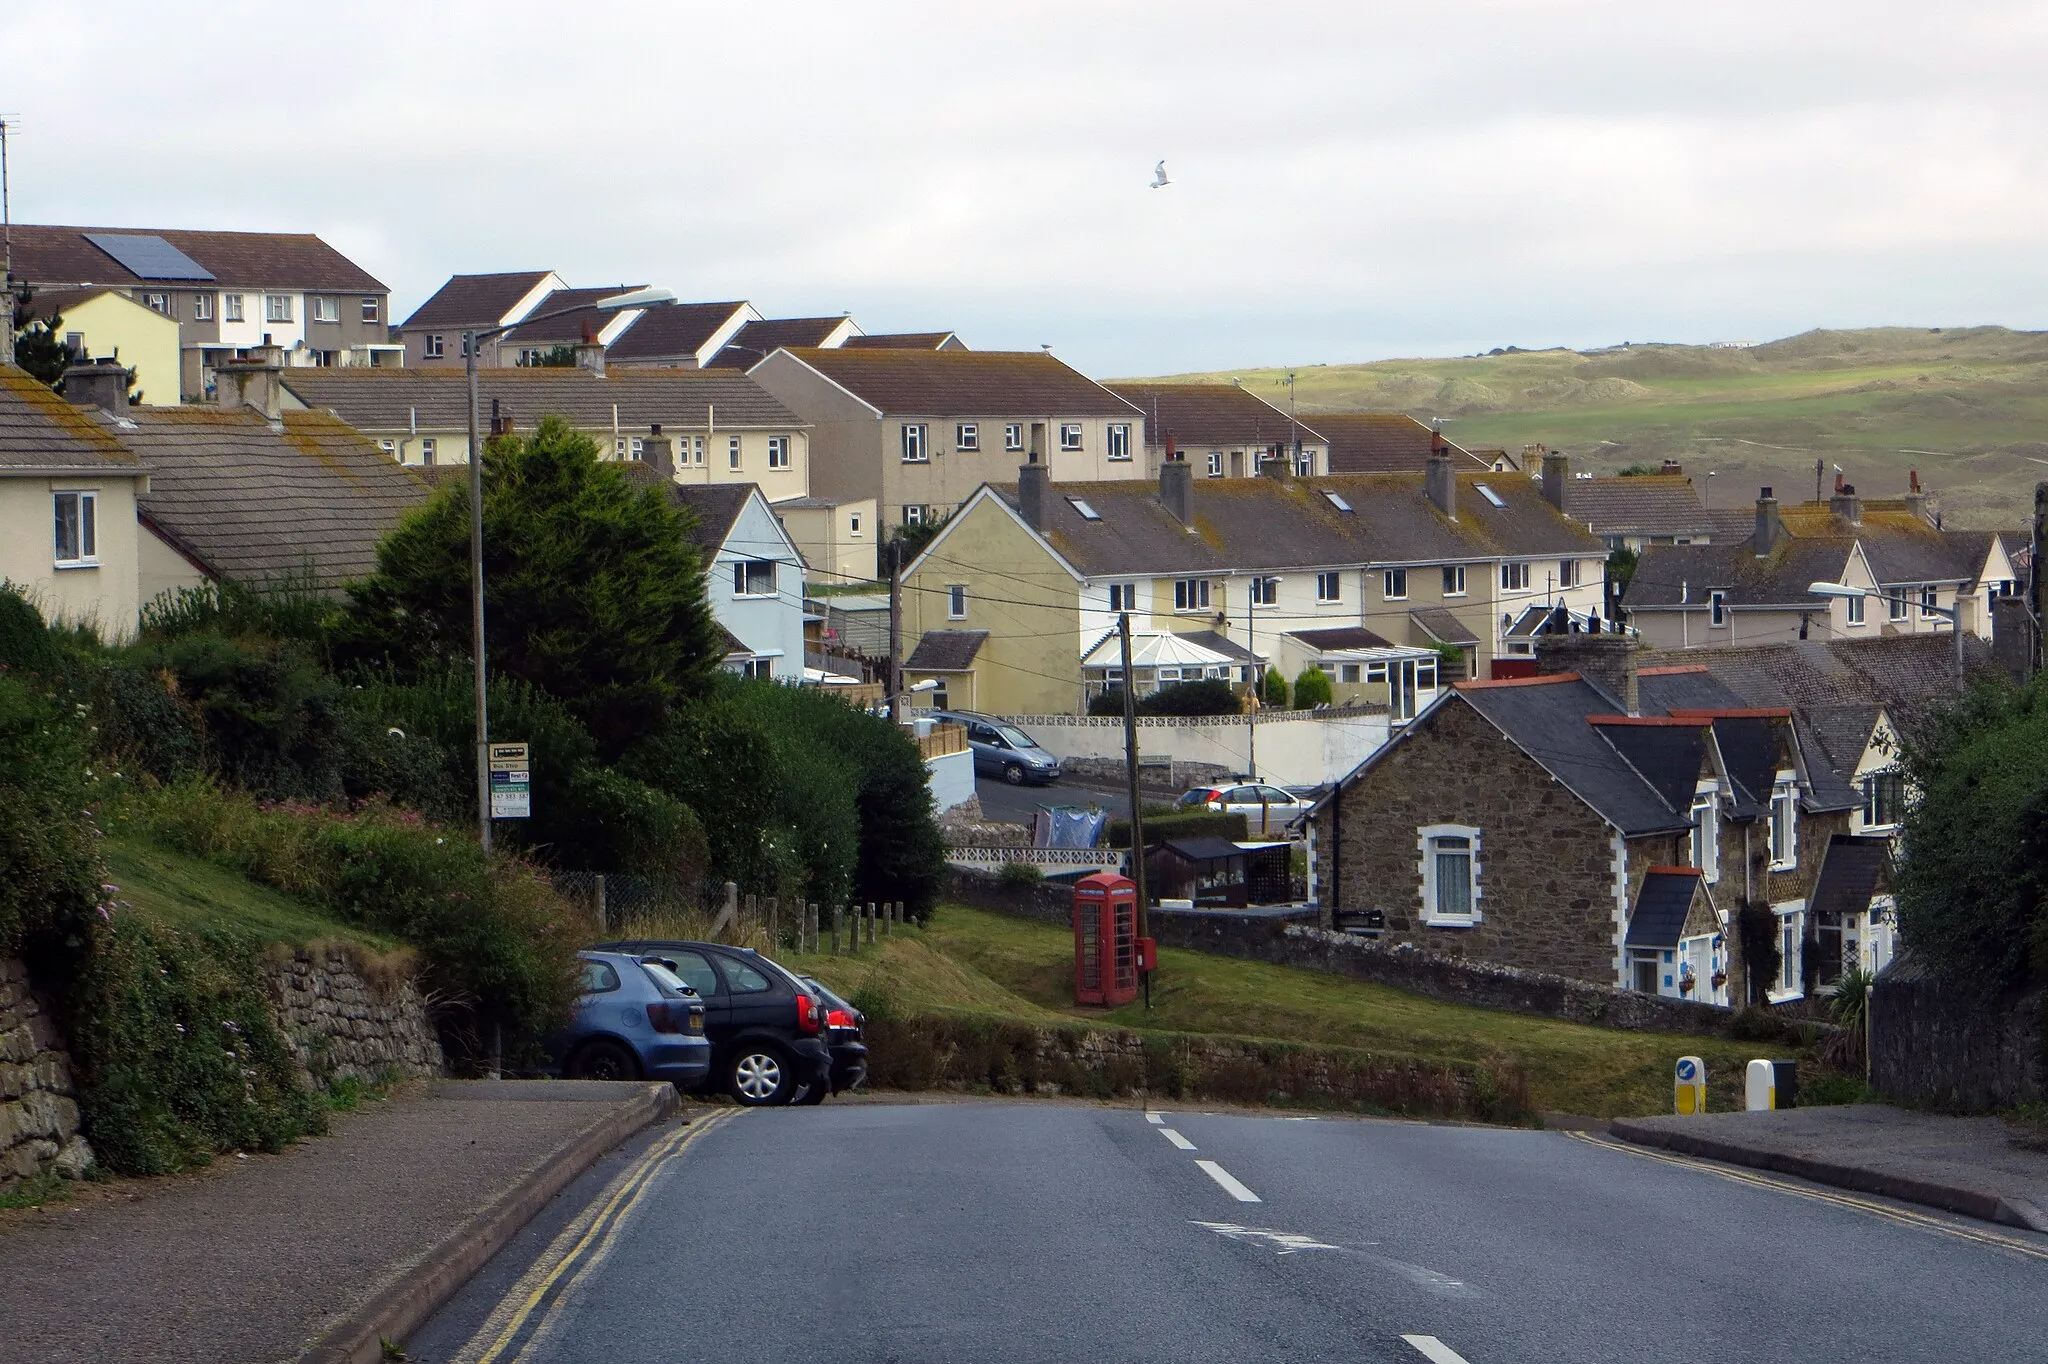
[1670,576]
[751,343]
[946,651]
[1340,637]
[1381,443]
[568,328]
[1658,919]
[902,341]
[1664,754]
[1196,415]
[1660,691]
[253,504]
[1849,874]
[969,382]
[672,331]
[58,256]
[384,400]
[40,433]
[1902,546]
[1649,504]
[717,507]
[1546,718]
[1203,848]
[1441,625]
[474,301]
[1270,524]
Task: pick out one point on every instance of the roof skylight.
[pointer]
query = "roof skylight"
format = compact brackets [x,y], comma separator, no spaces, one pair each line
[1337,500]
[1490,495]
[1088,513]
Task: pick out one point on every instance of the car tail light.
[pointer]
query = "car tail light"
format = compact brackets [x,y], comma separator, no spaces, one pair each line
[672,1018]
[839,1018]
[806,1014]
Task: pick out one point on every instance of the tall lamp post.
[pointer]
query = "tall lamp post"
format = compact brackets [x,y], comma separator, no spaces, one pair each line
[472,341]
[1952,614]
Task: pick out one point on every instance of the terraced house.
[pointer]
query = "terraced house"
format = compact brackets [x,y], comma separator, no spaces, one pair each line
[1394,583]
[1224,430]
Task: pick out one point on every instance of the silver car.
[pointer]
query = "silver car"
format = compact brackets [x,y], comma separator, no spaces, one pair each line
[1002,749]
[1267,809]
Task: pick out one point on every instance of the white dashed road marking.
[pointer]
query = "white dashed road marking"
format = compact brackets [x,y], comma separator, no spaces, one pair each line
[1176,1138]
[1434,1350]
[1229,1182]
[1283,1242]
[1155,1118]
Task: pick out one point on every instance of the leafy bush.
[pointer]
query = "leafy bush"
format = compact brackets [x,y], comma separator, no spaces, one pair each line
[49,867]
[1020,876]
[1191,824]
[1207,697]
[1273,689]
[1312,688]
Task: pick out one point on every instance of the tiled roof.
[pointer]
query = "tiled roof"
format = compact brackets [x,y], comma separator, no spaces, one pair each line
[672,331]
[757,339]
[567,329]
[903,341]
[253,504]
[1898,672]
[474,301]
[1266,523]
[1380,443]
[279,260]
[1651,504]
[1902,547]
[1849,874]
[1442,625]
[1730,524]
[386,400]
[1658,919]
[40,432]
[967,382]
[717,506]
[946,651]
[1196,415]
[1675,575]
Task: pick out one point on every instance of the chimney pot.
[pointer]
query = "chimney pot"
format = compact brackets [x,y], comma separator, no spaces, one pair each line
[1846,504]
[1032,479]
[257,382]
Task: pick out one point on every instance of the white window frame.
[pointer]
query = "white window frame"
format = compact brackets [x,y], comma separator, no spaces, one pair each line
[1190,594]
[1119,440]
[388,446]
[1265,591]
[1869,783]
[913,514]
[1785,796]
[1717,609]
[1930,602]
[853,524]
[1347,672]
[1514,575]
[1790,983]
[1427,841]
[732,452]
[1706,830]
[1123,597]
[1394,584]
[778,452]
[1897,608]
[966,436]
[1215,464]
[742,578]
[637,447]
[1013,435]
[1329,588]
[371,307]
[916,444]
[1070,436]
[231,309]
[1855,610]
[277,307]
[956,601]
[1567,573]
[433,346]
[326,308]
[158,303]
[85,519]
[429,449]
[202,307]
[1305,463]
[1454,580]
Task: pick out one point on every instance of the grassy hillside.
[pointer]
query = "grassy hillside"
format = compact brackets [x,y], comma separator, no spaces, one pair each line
[190,892]
[1967,407]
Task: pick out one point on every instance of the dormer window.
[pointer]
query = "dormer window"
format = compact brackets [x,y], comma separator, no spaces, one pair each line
[1717,608]
[1785,823]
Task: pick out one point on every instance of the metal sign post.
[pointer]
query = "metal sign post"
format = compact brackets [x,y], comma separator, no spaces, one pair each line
[511,774]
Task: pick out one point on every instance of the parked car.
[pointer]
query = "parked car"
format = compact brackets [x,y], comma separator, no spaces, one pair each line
[843,1024]
[1267,809]
[1002,749]
[767,1028]
[636,1020]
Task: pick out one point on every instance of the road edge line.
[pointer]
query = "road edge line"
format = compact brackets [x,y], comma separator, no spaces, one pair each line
[1981,1204]
[430,1281]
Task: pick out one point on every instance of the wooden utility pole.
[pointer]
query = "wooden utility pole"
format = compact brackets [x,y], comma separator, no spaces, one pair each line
[2037,586]
[1123,631]
[892,685]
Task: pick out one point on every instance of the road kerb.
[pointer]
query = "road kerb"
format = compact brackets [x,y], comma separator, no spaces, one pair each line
[402,1307]
[1982,1204]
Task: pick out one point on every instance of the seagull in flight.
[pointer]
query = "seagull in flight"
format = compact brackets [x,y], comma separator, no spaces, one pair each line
[1159,180]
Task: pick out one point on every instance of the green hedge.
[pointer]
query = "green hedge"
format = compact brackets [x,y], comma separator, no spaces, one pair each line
[1194,823]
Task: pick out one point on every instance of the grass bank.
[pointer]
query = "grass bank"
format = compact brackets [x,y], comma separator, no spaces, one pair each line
[179,890]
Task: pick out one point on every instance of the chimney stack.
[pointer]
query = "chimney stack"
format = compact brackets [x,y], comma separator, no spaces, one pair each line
[1439,480]
[1032,492]
[1671,466]
[1609,662]
[1557,474]
[658,453]
[590,356]
[1845,503]
[1916,497]
[1177,490]
[1769,530]
[102,384]
[257,382]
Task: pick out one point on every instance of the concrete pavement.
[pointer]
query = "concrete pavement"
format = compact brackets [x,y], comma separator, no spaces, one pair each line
[1057,1232]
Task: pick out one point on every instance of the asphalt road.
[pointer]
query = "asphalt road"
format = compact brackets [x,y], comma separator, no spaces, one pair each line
[893,1234]
[1017,804]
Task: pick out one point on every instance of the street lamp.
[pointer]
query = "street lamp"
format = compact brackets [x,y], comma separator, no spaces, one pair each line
[471,342]
[1952,614]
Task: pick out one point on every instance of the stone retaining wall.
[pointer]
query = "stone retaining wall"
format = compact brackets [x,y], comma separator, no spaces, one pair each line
[340,1024]
[1939,1045]
[38,1108]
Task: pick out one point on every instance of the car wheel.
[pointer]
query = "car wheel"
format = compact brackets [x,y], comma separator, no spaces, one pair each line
[759,1075]
[1013,773]
[812,1094]
[603,1060]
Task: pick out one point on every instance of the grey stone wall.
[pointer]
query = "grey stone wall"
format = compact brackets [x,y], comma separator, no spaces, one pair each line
[341,1024]
[1937,1045]
[38,1107]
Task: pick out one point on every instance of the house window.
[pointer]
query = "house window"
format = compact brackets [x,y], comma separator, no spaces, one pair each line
[1791,942]
[202,307]
[77,529]
[967,436]
[778,452]
[326,309]
[1706,833]
[370,308]
[1855,605]
[1394,584]
[157,303]
[915,451]
[1215,464]
[956,601]
[639,448]
[1119,440]
[732,452]
[1190,594]
[619,447]
[1895,606]
[1454,580]
[1450,875]
[753,578]
[1347,672]
[1304,463]
[1123,596]
[1376,673]
[759,669]
[1884,800]
[277,307]
[1329,587]
[428,450]
[432,348]
[231,309]
[1717,608]
[1514,577]
[1784,824]
[389,447]
[853,523]
[74,342]
[1930,602]
[1265,591]
[1070,435]
[1013,436]
[532,356]
[1567,572]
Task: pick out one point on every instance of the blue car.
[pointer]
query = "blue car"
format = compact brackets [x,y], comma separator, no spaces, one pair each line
[636,1021]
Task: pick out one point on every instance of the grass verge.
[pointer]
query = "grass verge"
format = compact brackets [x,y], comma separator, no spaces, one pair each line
[178,890]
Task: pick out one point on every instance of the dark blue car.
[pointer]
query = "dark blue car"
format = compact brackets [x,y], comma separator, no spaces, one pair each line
[636,1021]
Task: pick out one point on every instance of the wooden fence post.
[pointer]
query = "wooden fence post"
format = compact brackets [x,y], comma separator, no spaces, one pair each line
[603,919]
[730,913]
[811,927]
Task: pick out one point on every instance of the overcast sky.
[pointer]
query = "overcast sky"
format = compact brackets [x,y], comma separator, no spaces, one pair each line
[1351,180]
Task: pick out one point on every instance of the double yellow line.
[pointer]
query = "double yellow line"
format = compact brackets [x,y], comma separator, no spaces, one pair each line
[1903,1216]
[534,1304]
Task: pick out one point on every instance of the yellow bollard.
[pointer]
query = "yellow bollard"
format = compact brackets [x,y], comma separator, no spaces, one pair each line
[1690,1082]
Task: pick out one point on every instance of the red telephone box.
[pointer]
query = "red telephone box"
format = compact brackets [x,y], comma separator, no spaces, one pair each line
[1105,939]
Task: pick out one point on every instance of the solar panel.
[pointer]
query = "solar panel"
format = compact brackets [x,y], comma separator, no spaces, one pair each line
[147,256]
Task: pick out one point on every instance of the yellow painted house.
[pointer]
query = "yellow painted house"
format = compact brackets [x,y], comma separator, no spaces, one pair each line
[105,324]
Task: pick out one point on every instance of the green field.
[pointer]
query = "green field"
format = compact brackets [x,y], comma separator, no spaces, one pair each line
[977,962]
[1967,407]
